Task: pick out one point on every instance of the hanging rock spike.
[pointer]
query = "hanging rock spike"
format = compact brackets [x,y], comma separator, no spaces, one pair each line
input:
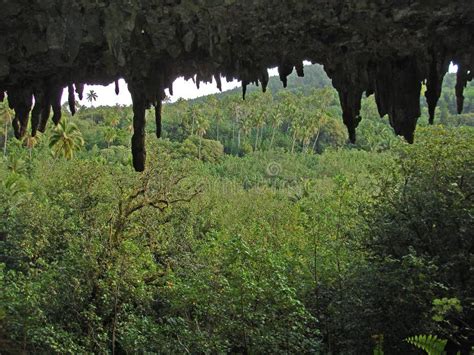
[71,99]
[79,90]
[284,70]
[117,87]
[138,138]
[21,101]
[350,89]
[405,88]
[300,69]
[37,109]
[381,84]
[158,117]
[462,77]
[264,79]
[439,66]
[218,80]
[198,81]
[244,88]
[45,108]
[56,95]
[350,98]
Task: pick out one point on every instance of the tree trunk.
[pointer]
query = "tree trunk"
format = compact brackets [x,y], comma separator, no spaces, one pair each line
[256,139]
[5,138]
[199,150]
[273,137]
[316,140]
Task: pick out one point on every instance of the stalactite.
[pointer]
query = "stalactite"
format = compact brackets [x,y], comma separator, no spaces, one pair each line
[244,88]
[71,99]
[264,79]
[405,87]
[350,89]
[56,95]
[37,109]
[79,90]
[117,87]
[158,116]
[45,108]
[218,80]
[20,100]
[198,81]
[462,77]
[284,70]
[138,139]
[350,98]
[300,69]
[438,68]
[382,75]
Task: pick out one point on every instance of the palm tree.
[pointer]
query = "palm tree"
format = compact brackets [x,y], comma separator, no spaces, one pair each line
[213,111]
[238,119]
[276,118]
[202,125]
[110,135]
[66,139]
[30,142]
[258,121]
[91,96]
[6,117]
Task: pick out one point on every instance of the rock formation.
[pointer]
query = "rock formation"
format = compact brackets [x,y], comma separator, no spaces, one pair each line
[382,47]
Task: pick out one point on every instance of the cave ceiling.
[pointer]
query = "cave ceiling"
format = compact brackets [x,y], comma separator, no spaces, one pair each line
[383,47]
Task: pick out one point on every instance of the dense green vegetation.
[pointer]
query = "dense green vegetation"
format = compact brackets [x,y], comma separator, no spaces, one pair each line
[255,229]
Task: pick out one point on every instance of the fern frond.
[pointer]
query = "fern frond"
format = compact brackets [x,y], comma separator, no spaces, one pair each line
[429,343]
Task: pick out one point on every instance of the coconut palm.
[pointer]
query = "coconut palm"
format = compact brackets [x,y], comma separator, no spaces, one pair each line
[239,116]
[66,139]
[30,142]
[110,135]
[91,96]
[6,119]
[276,120]
[202,125]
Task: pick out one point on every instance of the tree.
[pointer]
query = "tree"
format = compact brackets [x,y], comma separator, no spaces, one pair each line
[30,142]
[91,96]
[276,119]
[6,118]
[110,135]
[424,213]
[202,125]
[66,139]
[214,112]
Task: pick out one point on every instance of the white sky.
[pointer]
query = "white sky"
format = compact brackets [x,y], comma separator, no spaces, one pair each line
[181,88]
[185,89]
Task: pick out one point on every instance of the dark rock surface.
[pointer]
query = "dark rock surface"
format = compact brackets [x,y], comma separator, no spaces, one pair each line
[381,47]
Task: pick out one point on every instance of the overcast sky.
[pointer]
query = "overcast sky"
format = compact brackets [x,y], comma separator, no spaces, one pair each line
[181,88]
